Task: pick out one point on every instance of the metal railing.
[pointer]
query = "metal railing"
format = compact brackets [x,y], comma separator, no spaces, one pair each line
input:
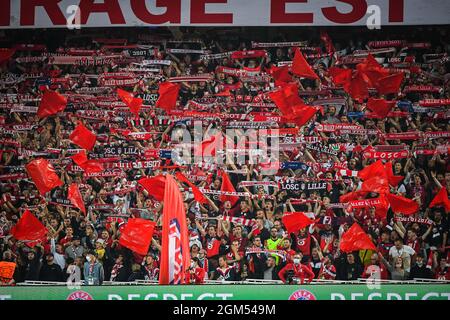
[250,281]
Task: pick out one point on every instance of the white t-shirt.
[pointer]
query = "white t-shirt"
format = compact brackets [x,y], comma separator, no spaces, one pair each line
[405,253]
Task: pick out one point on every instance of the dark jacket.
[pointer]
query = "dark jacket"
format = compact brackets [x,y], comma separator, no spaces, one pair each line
[51,272]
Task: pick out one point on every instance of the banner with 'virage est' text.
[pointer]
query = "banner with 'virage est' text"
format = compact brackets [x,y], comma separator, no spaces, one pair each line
[127,13]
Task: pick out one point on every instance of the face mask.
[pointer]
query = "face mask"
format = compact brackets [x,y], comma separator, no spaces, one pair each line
[88,258]
[296,261]
[419,264]
[193,265]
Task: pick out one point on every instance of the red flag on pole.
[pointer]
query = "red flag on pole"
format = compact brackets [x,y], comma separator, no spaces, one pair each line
[198,195]
[357,87]
[29,228]
[340,76]
[83,137]
[286,97]
[155,186]
[51,103]
[441,199]
[300,66]
[175,255]
[390,84]
[402,205]
[373,170]
[302,114]
[356,239]
[43,175]
[137,234]
[294,221]
[228,187]
[380,107]
[280,75]
[372,70]
[133,103]
[88,166]
[74,195]
[168,95]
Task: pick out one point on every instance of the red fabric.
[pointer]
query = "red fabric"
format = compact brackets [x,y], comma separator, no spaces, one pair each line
[294,221]
[75,197]
[137,235]
[357,87]
[355,195]
[6,54]
[430,260]
[340,76]
[441,199]
[82,137]
[373,170]
[154,186]
[29,228]
[168,95]
[301,114]
[300,66]
[377,184]
[372,70]
[198,195]
[390,84]
[227,186]
[133,103]
[286,97]
[356,239]
[402,205]
[174,214]
[301,272]
[281,75]
[51,103]
[380,107]
[88,166]
[210,146]
[43,175]
[248,54]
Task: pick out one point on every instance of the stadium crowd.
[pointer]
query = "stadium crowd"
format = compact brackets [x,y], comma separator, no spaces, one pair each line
[223,73]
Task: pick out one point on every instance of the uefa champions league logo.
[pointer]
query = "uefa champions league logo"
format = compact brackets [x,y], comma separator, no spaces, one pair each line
[79,295]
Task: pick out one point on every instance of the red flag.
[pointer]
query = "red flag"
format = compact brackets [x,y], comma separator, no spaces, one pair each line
[372,70]
[43,175]
[390,84]
[137,234]
[29,228]
[430,260]
[294,221]
[210,146]
[441,199]
[340,76]
[356,239]
[88,166]
[198,195]
[357,87]
[83,137]
[402,205]
[355,195]
[302,114]
[280,75]
[373,170]
[378,184]
[74,195]
[154,186]
[133,103]
[286,97]
[6,54]
[168,95]
[51,103]
[380,107]
[228,187]
[300,66]
[175,255]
